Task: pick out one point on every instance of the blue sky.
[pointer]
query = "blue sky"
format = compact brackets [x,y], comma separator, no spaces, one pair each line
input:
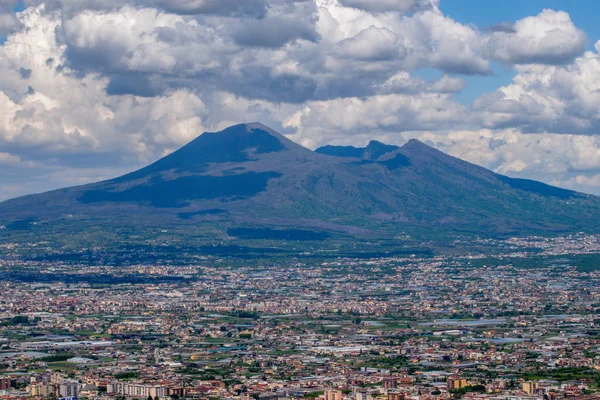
[17,7]
[93,89]
[485,14]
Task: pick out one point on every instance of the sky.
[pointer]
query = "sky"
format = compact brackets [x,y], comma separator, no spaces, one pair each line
[93,89]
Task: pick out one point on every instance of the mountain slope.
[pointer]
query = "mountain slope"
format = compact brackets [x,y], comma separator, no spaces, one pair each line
[249,175]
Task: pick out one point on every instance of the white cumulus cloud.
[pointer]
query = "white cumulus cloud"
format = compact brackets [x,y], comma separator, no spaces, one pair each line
[547,38]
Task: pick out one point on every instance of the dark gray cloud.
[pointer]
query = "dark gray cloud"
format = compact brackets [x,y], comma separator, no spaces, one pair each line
[135,84]
[230,8]
[273,32]
[401,6]
[505,27]
[226,8]
[255,82]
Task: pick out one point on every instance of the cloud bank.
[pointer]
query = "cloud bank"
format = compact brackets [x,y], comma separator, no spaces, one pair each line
[92,89]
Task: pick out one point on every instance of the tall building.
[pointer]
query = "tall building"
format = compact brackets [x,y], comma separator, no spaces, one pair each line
[390,383]
[361,396]
[456,383]
[41,389]
[57,378]
[137,390]
[395,396]
[5,383]
[333,395]
[530,387]
[68,389]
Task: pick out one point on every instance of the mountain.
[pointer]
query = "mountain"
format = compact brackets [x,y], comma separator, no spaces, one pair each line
[250,182]
[373,151]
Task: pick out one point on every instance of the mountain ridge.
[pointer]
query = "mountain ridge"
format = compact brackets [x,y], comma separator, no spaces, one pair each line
[250,175]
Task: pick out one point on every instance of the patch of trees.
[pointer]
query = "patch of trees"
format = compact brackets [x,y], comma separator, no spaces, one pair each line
[20,320]
[57,357]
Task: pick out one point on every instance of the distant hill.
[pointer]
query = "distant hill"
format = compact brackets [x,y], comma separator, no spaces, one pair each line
[250,182]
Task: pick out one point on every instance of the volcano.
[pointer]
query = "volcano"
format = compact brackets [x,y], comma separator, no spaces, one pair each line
[249,176]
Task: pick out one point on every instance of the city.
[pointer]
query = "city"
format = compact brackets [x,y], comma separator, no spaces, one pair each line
[299,200]
[386,328]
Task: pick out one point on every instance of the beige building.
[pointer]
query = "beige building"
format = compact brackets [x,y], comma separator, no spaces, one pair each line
[530,387]
[333,395]
[456,383]
[41,389]
[138,390]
